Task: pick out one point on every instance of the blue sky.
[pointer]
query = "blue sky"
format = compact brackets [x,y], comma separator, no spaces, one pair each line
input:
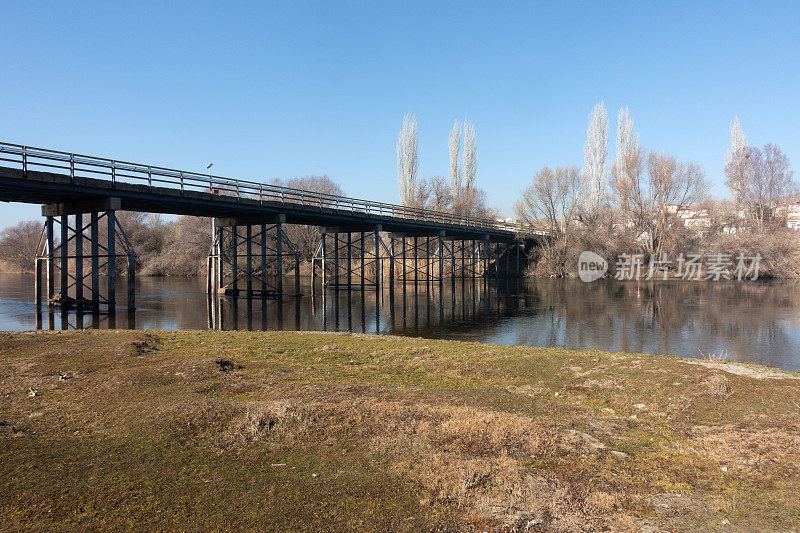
[280,90]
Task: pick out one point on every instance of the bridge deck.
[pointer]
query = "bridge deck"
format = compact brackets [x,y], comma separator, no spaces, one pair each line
[34,175]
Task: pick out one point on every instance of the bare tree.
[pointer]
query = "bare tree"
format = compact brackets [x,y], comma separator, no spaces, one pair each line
[408,161]
[18,245]
[440,197]
[737,164]
[470,155]
[551,202]
[472,202]
[767,181]
[626,172]
[304,237]
[594,156]
[647,202]
[184,250]
[466,199]
[454,146]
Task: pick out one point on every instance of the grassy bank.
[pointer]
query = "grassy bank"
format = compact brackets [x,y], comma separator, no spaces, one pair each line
[278,431]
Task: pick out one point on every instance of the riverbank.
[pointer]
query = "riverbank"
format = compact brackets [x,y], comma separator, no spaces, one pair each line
[233,430]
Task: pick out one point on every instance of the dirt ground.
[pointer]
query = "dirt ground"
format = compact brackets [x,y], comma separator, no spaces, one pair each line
[318,431]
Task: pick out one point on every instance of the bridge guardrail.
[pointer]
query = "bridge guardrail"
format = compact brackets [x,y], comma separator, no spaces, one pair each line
[77,165]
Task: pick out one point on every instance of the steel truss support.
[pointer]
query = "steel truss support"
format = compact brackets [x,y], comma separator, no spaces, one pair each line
[68,269]
[246,260]
[416,259]
[350,259]
[506,259]
[432,259]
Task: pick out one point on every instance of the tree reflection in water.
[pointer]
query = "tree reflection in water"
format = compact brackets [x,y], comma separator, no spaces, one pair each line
[750,321]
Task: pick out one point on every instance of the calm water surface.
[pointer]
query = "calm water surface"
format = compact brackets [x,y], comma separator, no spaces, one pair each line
[754,322]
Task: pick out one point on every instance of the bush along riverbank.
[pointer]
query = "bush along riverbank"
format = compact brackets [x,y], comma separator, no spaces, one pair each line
[234,430]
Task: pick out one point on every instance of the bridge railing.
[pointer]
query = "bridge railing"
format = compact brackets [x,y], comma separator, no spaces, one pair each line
[77,166]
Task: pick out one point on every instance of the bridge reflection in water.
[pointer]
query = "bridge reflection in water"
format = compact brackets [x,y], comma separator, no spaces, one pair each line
[410,309]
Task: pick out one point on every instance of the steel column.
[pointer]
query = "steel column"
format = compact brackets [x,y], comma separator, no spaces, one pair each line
[263,260]
[363,264]
[403,239]
[112,264]
[324,252]
[79,259]
[336,259]
[235,260]
[279,258]
[64,265]
[349,261]
[416,264]
[249,260]
[377,263]
[441,260]
[95,240]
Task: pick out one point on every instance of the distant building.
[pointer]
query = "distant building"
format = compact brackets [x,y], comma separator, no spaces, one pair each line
[694,217]
[791,213]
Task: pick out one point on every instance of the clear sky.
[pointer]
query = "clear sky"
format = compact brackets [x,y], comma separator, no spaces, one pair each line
[280,90]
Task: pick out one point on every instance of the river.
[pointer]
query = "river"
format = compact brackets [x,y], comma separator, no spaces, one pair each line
[756,322]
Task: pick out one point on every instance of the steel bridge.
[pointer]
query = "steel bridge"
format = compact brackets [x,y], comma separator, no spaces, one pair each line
[363,244]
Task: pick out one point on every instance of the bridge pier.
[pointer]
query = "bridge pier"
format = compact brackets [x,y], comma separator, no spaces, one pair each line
[68,256]
[246,258]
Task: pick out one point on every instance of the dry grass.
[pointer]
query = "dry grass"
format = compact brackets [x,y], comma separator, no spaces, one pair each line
[335,432]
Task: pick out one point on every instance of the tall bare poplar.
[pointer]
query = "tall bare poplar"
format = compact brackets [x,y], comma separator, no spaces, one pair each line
[737,164]
[454,145]
[470,155]
[626,172]
[408,160]
[594,156]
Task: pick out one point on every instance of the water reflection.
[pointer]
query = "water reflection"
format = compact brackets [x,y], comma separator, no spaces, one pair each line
[406,310]
[757,322]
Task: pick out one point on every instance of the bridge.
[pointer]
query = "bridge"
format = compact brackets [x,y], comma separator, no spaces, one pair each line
[363,244]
